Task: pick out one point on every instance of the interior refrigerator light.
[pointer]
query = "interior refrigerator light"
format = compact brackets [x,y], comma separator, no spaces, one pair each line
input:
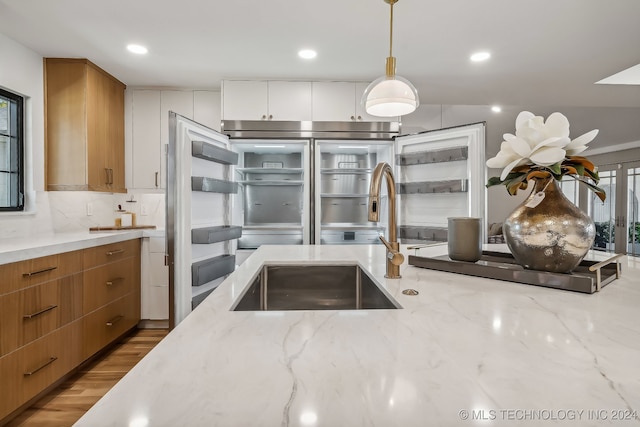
[269,146]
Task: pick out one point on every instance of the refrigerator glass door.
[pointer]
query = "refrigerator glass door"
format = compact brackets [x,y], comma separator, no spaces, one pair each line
[439,174]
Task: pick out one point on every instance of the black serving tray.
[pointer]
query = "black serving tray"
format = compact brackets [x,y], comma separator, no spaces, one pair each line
[588,277]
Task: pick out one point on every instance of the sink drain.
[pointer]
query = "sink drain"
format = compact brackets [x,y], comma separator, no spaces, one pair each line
[410,292]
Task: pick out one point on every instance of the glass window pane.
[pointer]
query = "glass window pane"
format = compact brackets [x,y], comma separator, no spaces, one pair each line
[603,213]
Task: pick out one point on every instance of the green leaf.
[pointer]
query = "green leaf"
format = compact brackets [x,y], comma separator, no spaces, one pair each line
[555,169]
[494,180]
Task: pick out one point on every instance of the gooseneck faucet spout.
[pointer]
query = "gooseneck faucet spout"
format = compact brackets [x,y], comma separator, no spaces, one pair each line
[394,258]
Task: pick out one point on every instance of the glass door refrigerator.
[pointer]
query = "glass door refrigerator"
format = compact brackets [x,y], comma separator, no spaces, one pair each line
[342,176]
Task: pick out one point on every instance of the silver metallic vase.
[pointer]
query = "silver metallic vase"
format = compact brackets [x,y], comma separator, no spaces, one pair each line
[552,235]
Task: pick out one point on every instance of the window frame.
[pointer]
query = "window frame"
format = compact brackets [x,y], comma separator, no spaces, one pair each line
[16,130]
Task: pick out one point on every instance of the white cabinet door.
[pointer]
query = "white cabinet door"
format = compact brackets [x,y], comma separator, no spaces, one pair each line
[289,101]
[245,100]
[333,101]
[146,147]
[206,108]
[155,280]
[180,102]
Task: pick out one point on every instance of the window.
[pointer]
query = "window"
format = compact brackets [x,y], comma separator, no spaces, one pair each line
[11,152]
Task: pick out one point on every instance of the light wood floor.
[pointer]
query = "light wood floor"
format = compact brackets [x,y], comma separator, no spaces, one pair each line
[67,403]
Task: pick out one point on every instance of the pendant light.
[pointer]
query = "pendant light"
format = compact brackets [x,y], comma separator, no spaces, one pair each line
[390,95]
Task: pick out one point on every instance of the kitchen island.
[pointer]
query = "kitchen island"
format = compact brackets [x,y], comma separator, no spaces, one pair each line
[465,351]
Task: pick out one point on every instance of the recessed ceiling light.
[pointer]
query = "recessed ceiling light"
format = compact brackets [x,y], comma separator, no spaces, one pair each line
[496,109]
[480,56]
[136,48]
[307,54]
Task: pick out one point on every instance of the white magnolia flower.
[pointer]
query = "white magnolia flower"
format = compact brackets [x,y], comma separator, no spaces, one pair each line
[537,142]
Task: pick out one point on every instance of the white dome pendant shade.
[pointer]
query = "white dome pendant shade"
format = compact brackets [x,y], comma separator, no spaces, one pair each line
[390,95]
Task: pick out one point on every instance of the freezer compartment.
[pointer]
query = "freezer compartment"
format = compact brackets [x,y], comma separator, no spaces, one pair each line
[275,204]
[211,269]
[337,182]
[221,233]
[342,236]
[252,238]
[352,210]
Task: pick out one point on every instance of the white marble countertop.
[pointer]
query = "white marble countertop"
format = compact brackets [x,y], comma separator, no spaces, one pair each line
[19,249]
[465,351]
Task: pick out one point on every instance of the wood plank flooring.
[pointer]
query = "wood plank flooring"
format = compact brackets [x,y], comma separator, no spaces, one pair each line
[67,403]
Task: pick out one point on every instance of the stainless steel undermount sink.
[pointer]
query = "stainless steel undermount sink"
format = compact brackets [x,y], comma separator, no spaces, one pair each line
[313,287]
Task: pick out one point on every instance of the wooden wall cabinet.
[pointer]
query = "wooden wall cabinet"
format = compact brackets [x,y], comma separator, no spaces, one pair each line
[59,310]
[84,127]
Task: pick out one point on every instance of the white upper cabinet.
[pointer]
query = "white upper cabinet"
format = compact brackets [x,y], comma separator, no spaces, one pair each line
[147,153]
[334,101]
[150,128]
[341,102]
[266,100]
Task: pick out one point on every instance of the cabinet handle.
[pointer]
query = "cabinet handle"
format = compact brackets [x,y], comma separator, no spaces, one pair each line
[270,116]
[115,320]
[117,251]
[353,117]
[156,179]
[38,313]
[33,273]
[106,173]
[359,117]
[264,117]
[113,281]
[110,176]
[47,363]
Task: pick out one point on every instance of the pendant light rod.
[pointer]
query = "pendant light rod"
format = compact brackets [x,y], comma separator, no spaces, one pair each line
[391,61]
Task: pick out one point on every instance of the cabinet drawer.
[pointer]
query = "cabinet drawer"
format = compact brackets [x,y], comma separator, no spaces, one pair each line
[31,313]
[22,274]
[106,324]
[102,285]
[31,369]
[105,254]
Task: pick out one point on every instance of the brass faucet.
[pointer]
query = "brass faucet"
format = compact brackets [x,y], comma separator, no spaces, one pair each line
[394,257]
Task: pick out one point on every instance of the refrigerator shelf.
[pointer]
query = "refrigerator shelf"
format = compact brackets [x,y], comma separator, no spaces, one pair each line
[211,269]
[427,187]
[409,233]
[221,233]
[435,156]
[270,170]
[283,182]
[212,185]
[363,171]
[347,195]
[213,153]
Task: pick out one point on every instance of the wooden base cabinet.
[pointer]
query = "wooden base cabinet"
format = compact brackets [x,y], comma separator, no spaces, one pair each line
[58,311]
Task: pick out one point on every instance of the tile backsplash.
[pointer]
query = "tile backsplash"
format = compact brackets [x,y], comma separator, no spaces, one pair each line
[68,212]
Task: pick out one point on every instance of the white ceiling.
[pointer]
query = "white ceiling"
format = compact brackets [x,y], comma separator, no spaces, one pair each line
[544,52]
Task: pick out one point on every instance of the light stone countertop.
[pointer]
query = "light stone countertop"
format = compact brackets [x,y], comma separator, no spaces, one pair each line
[465,351]
[20,249]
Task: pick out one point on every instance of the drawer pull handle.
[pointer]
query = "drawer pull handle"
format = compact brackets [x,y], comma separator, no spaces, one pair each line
[33,273]
[47,363]
[115,320]
[113,281]
[38,313]
[117,251]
